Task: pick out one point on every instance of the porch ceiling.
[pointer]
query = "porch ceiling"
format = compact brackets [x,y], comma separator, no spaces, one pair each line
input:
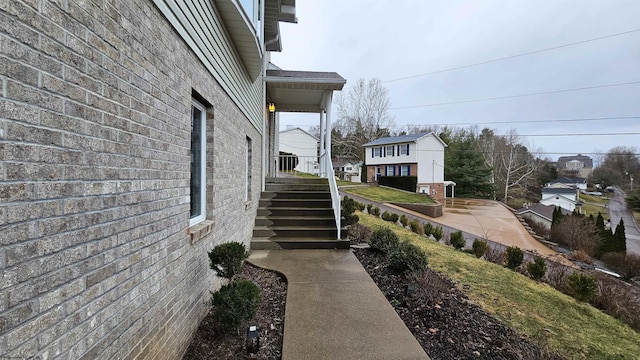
[301,91]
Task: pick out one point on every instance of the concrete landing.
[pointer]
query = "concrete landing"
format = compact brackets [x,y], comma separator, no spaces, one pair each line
[334,309]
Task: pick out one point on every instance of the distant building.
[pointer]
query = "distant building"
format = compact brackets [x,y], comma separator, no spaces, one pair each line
[303,146]
[577,182]
[578,165]
[347,170]
[540,213]
[561,195]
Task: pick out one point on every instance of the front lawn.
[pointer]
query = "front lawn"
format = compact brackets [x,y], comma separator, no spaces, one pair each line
[386,195]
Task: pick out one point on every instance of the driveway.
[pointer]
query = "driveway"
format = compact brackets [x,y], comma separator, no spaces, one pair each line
[618,209]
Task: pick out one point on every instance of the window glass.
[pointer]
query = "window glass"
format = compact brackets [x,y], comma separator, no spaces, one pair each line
[390,170]
[405,170]
[376,152]
[198,179]
[389,150]
[403,149]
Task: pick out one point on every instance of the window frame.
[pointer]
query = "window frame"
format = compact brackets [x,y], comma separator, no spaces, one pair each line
[392,168]
[402,170]
[377,152]
[404,149]
[193,220]
[387,152]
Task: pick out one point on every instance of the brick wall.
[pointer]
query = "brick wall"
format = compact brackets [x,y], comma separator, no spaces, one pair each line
[96,257]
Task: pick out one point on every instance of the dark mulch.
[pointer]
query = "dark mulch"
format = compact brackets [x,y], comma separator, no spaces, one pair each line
[442,319]
[209,344]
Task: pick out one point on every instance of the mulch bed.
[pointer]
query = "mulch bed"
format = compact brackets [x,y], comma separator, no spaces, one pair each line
[441,317]
[209,344]
[443,320]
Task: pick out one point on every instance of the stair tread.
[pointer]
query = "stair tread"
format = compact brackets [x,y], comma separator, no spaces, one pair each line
[294,217]
[293,227]
[296,239]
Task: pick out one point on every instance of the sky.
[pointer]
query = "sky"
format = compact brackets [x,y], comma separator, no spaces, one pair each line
[399,41]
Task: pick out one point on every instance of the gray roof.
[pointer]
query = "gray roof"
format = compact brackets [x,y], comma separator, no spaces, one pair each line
[562,160]
[401,139]
[550,190]
[306,75]
[569,180]
[545,211]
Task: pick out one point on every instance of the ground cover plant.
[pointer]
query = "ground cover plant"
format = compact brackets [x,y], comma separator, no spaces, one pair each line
[574,329]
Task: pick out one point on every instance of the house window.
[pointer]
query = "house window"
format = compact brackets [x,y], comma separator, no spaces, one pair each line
[388,151]
[376,152]
[390,171]
[247,170]
[404,149]
[404,170]
[198,161]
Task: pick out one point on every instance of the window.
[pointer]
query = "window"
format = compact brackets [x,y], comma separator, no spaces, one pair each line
[404,170]
[247,170]
[391,170]
[198,161]
[252,9]
[404,149]
[388,151]
[376,152]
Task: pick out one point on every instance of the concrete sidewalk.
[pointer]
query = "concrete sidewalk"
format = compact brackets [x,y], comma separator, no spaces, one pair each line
[334,309]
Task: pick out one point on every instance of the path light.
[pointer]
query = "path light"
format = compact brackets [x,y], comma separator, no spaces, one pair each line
[253,340]
[409,289]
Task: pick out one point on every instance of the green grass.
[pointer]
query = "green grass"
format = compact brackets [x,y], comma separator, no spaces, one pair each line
[303,175]
[382,194]
[592,209]
[573,329]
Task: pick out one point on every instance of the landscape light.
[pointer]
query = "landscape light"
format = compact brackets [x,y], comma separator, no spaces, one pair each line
[253,340]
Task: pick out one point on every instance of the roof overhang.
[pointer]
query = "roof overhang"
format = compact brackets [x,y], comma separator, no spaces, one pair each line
[276,11]
[301,91]
[243,34]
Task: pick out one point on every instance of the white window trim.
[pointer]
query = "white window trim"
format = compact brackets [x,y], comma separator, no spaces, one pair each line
[203,161]
[403,149]
[376,152]
[387,148]
[402,170]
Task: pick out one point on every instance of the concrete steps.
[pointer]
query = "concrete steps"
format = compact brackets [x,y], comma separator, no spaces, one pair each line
[296,213]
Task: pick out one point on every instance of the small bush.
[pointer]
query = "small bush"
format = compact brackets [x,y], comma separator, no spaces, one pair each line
[537,268]
[457,240]
[582,255]
[416,227]
[407,256]
[438,233]
[227,259]
[618,300]
[386,216]
[375,211]
[494,255]
[514,257]
[359,233]
[428,228]
[557,276]
[390,217]
[394,218]
[430,286]
[349,207]
[627,265]
[479,247]
[384,240]
[360,206]
[234,303]
[404,220]
[369,207]
[583,286]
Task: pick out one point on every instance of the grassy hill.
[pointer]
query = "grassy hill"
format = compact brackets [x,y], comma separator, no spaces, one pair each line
[575,330]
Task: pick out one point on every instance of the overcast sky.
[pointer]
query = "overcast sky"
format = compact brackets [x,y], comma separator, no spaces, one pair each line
[390,40]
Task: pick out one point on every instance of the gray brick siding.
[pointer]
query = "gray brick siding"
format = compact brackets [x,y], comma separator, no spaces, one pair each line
[96,256]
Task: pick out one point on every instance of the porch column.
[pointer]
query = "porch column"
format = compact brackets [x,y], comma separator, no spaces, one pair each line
[321,141]
[327,145]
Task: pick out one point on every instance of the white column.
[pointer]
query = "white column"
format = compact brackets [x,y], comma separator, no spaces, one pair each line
[276,143]
[321,141]
[327,145]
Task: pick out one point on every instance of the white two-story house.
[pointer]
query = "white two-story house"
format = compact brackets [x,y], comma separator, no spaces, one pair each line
[420,155]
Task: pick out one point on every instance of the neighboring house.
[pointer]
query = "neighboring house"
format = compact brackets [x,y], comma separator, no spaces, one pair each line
[540,213]
[578,165]
[576,182]
[561,195]
[303,146]
[420,155]
[135,137]
[346,170]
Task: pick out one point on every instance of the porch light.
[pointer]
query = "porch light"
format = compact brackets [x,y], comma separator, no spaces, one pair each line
[253,340]
[272,107]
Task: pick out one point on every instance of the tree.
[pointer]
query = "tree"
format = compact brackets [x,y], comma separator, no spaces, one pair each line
[619,166]
[516,164]
[619,238]
[363,117]
[466,166]
[578,233]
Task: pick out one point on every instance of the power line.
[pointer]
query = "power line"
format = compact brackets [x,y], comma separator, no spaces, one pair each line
[516,96]
[531,121]
[511,56]
[592,134]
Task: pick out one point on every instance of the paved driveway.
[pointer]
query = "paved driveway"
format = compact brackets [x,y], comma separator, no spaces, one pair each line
[618,209]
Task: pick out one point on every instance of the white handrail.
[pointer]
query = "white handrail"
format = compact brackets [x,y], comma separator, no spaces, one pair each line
[333,186]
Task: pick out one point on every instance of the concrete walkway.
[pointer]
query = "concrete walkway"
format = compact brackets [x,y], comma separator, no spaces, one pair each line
[334,309]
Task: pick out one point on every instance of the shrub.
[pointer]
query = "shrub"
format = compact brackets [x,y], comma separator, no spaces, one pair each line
[494,255]
[514,257]
[234,303]
[479,247]
[349,207]
[404,220]
[369,207]
[582,286]
[438,233]
[627,265]
[430,286]
[375,211]
[428,228]
[227,259]
[407,183]
[618,300]
[394,218]
[539,228]
[557,276]
[406,256]
[390,217]
[582,255]
[457,240]
[416,227]
[359,233]
[360,206]
[537,268]
[384,240]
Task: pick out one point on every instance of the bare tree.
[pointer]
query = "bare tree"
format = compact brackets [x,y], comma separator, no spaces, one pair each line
[363,116]
[516,163]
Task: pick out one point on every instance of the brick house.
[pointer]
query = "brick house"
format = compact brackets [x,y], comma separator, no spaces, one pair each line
[134,137]
[420,155]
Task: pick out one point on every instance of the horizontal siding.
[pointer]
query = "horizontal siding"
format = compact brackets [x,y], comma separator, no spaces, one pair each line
[200,26]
